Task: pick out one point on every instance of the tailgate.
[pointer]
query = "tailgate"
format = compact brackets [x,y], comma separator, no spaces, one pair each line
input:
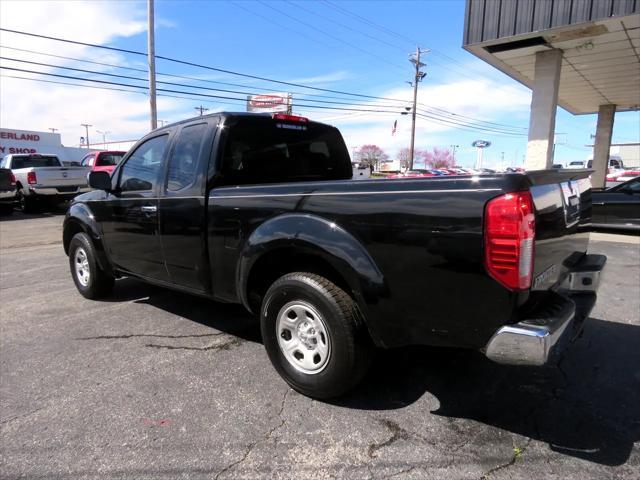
[61,176]
[562,200]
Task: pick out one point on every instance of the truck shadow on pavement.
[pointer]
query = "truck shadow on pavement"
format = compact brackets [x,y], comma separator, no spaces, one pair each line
[587,407]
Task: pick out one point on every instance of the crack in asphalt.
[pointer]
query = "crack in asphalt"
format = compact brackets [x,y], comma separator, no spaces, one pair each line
[265,437]
[153,335]
[516,454]
[17,417]
[406,470]
[397,433]
[216,346]
[237,462]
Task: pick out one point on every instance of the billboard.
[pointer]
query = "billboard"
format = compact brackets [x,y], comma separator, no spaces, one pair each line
[269,103]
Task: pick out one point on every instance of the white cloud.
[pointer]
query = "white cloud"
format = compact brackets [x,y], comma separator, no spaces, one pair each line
[480,99]
[325,78]
[31,105]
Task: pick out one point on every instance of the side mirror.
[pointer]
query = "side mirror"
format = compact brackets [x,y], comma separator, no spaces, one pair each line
[100,181]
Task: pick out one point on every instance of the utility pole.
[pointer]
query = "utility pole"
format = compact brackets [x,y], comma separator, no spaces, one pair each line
[162,122]
[201,109]
[53,130]
[415,59]
[104,137]
[86,127]
[151,57]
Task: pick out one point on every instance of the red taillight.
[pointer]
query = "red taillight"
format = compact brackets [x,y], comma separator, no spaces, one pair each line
[31,178]
[12,178]
[509,232]
[289,118]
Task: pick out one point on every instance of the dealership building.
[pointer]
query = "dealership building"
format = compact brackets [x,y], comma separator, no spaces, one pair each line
[26,141]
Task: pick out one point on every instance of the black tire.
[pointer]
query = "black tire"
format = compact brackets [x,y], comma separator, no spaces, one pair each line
[98,283]
[350,345]
[26,203]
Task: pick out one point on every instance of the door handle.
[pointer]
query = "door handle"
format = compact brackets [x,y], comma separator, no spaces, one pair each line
[149,209]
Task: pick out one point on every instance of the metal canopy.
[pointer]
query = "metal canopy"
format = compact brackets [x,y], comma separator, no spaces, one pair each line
[601,61]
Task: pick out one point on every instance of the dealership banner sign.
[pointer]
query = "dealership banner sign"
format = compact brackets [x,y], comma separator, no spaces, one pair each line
[270,103]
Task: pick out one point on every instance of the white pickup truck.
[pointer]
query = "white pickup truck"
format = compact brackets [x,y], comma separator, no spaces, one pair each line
[43,177]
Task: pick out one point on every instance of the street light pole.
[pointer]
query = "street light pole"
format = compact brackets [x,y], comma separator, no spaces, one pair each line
[415,59]
[86,127]
[104,137]
[151,56]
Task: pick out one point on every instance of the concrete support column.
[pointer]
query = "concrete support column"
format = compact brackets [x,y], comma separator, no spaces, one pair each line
[606,114]
[544,102]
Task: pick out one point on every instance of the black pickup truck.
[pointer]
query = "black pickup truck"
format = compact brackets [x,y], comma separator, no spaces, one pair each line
[261,210]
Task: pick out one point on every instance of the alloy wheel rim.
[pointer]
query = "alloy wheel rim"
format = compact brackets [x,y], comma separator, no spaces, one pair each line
[81,262]
[303,337]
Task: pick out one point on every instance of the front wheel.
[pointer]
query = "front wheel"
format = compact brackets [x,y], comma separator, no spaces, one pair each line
[313,336]
[91,281]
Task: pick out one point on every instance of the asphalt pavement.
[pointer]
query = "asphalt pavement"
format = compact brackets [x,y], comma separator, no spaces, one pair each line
[151,383]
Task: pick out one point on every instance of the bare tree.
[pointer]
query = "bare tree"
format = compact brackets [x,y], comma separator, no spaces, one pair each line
[438,158]
[403,157]
[371,155]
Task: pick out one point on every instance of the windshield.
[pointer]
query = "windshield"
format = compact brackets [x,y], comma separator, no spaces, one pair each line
[35,161]
[109,159]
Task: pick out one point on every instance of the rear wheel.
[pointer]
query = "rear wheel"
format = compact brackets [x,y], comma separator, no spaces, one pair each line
[27,203]
[91,281]
[313,336]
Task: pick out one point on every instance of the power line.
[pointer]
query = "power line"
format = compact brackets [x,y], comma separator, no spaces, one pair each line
[215,69]
[309,25]
[244,93]
[185,77]
[348,27]
[193,64]
[403,37]
[105,82]
[111,88]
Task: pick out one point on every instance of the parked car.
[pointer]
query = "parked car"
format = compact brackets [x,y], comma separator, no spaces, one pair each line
[264,212]
[104,161]
[617,207]
[415,173]
[43,177]
[7,191]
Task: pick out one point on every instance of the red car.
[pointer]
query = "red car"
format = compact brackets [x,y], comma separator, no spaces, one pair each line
[104,161]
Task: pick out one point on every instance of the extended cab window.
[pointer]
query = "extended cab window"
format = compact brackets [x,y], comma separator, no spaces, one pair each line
[263,150]
[35,161]
[109,159]
[141,170]
[183,165]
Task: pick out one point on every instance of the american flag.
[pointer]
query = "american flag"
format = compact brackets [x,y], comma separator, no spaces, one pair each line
[393,130]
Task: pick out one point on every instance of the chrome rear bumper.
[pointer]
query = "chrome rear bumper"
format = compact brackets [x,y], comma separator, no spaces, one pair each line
[537,340]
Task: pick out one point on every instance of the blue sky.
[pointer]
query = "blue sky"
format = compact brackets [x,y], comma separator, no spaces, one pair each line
[352,46]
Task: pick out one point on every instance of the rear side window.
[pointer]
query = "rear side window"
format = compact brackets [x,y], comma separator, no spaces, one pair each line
[109,159]
[183,165]
[141,170]
[35,162]
[262,150]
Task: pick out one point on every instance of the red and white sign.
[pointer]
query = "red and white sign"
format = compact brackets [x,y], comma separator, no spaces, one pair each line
[269,103]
